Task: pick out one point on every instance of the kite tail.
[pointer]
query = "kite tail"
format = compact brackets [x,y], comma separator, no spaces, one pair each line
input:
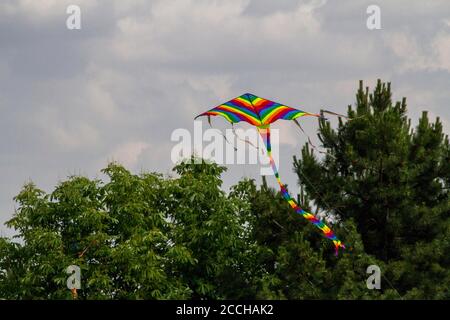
[264,131]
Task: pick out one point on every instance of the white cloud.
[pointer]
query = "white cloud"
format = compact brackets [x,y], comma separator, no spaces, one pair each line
[441,49]
[415,54]
[406,47]
[182,30]
[100,89]
[218,85]
[128,153]
[289,25]
[43,9]
[139,69]
[66,135]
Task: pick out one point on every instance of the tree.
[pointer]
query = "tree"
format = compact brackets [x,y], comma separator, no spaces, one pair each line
[393,182]
[134,237]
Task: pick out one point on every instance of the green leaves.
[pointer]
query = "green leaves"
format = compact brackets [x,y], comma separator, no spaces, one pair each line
[391,182]
[134,237]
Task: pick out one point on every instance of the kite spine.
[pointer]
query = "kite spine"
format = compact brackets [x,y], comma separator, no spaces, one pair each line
[264,131]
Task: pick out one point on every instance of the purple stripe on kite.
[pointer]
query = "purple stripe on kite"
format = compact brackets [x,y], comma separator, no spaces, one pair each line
[282,114]
[263,105]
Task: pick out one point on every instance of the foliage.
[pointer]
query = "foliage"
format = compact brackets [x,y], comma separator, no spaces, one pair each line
[392,181]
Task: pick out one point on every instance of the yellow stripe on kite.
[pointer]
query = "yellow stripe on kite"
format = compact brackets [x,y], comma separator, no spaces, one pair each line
[223,114]
[307,215]
[258,101]
[300,114]
[246,102]
[234,110]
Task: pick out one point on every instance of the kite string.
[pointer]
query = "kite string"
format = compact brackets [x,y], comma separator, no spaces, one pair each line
[322,111]
[309,139]
[220,132]
[265,135]
[244,140]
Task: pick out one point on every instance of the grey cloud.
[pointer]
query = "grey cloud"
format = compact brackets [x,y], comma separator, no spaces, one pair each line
[72,100]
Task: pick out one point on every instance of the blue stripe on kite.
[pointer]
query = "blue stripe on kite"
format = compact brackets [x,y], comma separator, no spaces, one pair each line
[248,96]
[290,114]
[269,109]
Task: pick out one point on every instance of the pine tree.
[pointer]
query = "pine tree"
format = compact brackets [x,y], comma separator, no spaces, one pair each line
[392,181]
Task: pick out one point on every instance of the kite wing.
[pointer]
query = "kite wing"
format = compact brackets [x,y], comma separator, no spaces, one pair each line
[255,110]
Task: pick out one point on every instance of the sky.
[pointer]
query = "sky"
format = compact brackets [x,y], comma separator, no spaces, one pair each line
[73,100]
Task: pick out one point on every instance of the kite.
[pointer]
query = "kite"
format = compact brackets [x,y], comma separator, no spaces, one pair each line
[261,113]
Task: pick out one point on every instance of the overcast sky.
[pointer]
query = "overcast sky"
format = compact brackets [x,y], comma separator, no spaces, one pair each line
[72,100]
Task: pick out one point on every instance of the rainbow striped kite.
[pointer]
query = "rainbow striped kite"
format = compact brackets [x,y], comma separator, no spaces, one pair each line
[261,113]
